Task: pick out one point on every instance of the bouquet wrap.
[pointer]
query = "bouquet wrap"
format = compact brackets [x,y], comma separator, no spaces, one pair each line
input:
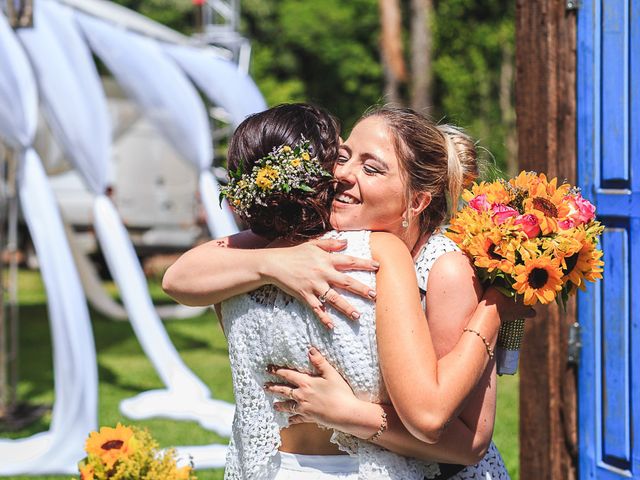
[508,346]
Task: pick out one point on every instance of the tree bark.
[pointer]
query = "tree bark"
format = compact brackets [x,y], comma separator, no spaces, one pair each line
[507,110]
[546,122]
[391,48]
[421,54]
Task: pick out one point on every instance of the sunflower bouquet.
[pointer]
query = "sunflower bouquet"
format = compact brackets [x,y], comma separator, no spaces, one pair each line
[528,236]
[129,453]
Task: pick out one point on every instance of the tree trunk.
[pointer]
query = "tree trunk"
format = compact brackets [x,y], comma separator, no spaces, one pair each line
[391,48]
[421,54]
[546,119]
[507,110]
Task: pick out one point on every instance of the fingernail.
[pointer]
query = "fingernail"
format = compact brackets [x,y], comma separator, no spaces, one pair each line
[372,294]
[355,315]
[330,326]
[313,351]
[376,264]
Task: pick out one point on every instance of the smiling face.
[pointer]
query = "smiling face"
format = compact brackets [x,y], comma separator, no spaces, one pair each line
[371,192]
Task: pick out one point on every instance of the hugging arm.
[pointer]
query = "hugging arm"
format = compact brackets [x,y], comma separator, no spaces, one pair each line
[453,295]
[223,268]
[426,393]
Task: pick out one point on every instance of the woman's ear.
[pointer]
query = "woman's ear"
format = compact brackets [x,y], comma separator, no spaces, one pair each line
[420,202]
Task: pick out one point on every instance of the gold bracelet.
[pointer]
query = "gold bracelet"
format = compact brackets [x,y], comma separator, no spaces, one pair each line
[381,430]
[487,345]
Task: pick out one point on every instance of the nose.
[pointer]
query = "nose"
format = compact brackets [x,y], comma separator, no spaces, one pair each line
[343,172]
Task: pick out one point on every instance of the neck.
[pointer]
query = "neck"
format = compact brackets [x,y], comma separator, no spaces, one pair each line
[419,243]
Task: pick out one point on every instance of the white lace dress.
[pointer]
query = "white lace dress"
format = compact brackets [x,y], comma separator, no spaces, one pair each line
[491,467]
[268,326]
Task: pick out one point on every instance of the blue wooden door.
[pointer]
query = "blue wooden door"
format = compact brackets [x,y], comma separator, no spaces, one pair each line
[608,84]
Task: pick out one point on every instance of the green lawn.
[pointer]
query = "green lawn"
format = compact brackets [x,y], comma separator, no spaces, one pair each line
[124,371]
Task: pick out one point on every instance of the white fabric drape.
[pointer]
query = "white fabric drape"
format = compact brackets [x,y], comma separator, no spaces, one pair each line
[220,80]
[67,70]
[18,94]
[166,96]
[74,360]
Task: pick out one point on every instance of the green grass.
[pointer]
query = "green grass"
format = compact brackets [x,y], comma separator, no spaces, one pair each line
[124,371]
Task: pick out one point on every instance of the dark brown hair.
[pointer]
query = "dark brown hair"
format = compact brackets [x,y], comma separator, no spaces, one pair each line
[439,159]
[296,215]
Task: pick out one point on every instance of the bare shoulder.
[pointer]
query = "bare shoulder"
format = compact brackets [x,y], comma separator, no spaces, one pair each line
[388,246]
[453,274]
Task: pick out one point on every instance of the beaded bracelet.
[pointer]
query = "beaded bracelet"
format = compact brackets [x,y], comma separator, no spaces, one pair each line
[381,430]
[484,340]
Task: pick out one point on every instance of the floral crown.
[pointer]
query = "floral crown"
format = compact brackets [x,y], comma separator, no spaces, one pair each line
[283,170]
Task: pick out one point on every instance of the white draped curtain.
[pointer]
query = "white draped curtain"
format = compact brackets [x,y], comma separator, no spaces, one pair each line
[166,96]
[74,360]
[61,58]
[158,77]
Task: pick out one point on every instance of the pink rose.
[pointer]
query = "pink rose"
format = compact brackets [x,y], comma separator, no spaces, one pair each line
[580,211]
[479,203]
[529,224]
[502,212]
[566,224]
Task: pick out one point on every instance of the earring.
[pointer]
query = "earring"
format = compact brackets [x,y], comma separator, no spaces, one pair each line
[405,223]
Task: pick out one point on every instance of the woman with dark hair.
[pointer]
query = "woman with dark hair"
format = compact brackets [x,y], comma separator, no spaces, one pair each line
[379,188]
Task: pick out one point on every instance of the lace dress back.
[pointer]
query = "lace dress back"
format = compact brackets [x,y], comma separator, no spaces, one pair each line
[492,466]
[268,326]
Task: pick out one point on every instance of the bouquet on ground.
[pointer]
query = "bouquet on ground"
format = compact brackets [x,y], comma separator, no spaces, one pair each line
[528,236]
[129,453]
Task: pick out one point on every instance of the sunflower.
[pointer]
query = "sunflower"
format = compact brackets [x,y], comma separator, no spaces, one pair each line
[488,253]
[111,444]
[546,202]
[183,473]
[86,472]
[583,264]
[495,192]
[539,279]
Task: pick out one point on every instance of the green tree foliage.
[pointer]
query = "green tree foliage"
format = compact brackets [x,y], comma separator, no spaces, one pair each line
[328,52]
[471,38]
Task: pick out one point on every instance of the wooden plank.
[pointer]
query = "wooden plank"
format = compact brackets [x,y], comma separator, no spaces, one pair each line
[546,112]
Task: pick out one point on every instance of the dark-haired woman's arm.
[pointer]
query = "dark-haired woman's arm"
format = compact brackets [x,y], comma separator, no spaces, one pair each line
[223,268]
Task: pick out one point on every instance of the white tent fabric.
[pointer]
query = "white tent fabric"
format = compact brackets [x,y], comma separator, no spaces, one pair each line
[18,94]
[74,360]
[166,96]
[58,56]
[68,69]
[220,80]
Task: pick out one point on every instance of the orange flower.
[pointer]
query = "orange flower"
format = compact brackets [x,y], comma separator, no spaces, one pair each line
[539,279]
[583,264]
[183,473]
[490,254]
[494,192]
[111,444]
[86,472]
